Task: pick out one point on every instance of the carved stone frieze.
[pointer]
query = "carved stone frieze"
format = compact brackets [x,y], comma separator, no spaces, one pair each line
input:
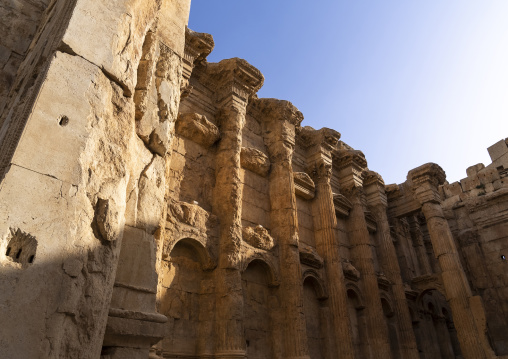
[304,185]
[342,205]
[258,237]
[254,160]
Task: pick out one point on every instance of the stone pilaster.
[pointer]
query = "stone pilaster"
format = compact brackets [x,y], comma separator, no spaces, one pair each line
[425,180]
[350,165]
[279,121]
[325,223]
[235,81]
[377,202]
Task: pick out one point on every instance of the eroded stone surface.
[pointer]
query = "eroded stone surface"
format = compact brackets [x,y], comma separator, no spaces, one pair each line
[151,204]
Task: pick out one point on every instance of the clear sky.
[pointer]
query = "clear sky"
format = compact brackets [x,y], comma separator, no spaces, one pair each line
[406,82]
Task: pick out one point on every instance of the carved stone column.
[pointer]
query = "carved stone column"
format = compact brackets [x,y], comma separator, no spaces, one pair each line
[327,245]
[235,81]
[425,180]
[279,121]
[351,164]
[377,202]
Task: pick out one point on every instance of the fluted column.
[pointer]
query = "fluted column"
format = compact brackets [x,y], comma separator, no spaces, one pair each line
[425,180]
[376,199]
[279,121]
[327,244]
[236,80]
[351,164]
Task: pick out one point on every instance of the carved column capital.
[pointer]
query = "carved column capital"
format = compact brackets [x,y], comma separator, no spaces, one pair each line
[424,181]
[198,46]
[319,142]
[235,81]
[321,170]
[374,188]
[279,120]
[350,166]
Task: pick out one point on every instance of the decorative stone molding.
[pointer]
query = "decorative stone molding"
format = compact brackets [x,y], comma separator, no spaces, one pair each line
[425,180]
[350,166]
[326,138]
[374,189]
[310,257]
[281,110]
[197,47]
[371,222]
[279,121]
[304,185]
[383,282]
[342,205]
[235,81]
[255,161]
[197,128]
[258,237]
[350,272]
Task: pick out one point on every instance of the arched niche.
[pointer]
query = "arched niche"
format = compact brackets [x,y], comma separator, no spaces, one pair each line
[267,263]
[316,315]
[357,315]
[391,323]
[187,299]
[260,308]
[436,335]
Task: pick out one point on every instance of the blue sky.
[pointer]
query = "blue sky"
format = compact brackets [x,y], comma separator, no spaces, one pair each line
[406,82]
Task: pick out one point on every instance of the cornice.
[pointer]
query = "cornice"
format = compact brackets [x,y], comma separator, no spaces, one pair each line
[272,109]
[234,78]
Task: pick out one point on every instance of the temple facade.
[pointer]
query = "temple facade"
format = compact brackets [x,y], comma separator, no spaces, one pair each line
[152,206]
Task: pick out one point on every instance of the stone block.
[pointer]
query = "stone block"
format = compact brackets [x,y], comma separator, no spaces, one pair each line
[498,150]
[469,184]
[121,25]
[472,171]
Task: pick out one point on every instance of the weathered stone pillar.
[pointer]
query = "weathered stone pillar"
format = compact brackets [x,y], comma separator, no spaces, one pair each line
[351,164]
[327,245]
[376,199]
[237,81]
[425,180]
[279,121]
[419,245]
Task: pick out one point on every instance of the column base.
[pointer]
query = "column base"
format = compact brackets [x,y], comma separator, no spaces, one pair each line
[232,354]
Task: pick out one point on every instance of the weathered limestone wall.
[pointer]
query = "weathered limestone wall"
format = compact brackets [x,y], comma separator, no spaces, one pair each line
[82,193]
[147,194]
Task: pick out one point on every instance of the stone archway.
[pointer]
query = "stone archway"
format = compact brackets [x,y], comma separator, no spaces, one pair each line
[187,300]
[259,302]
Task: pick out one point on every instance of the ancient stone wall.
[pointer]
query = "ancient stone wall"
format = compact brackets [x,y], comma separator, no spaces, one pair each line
[153,206]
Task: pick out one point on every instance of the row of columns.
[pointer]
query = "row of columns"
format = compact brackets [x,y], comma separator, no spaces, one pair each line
[238,81]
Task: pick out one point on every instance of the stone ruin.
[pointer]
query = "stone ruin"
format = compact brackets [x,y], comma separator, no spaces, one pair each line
[152,206]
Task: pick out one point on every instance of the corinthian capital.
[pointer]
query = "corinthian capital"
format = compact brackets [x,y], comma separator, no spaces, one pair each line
[234,81]
[324,140]
[279,120]
[424,181]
